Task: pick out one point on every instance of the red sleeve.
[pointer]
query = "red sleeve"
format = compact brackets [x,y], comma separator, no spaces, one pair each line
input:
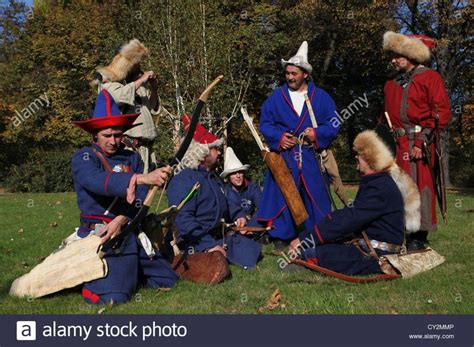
[439,103]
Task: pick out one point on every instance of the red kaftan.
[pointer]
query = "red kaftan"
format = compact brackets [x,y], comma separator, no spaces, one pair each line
[416,104]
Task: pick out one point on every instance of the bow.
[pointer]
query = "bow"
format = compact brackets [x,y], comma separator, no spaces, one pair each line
[135,223]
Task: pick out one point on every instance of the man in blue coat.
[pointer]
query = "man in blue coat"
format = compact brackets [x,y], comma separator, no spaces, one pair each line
[387,204]
[286,125]
[239,190]
[199,222]
[110,187]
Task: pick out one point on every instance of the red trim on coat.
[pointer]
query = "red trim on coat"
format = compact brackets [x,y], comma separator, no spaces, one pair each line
[303,117]
[289,102]
[318,234]
[274,217]
[86,293]
[101,218]
[314,261]
[106,182]
[312,199]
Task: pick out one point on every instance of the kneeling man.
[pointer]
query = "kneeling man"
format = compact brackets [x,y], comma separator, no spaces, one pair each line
[386,204]
[110,187]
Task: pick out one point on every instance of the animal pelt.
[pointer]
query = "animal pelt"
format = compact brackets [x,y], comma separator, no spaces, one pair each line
[378,156]
[130,54]
[410,47]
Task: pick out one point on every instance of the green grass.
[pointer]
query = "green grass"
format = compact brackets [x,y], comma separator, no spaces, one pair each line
[34,224]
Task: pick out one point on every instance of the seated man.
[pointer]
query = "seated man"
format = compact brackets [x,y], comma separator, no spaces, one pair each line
[110,187]
[387,202]
[199,222]
[239,190]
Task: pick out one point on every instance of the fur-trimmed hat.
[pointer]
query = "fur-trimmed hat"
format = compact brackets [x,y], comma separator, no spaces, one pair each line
[232,163]
[129,55]
[300,59]
[106,114]
[379,157]
[202,141]
[374,150]
[413,47]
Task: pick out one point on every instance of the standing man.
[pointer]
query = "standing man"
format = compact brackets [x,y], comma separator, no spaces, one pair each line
[110,187]
[413,100]
[285,123]
[135,91]
[239,190]
[199,222]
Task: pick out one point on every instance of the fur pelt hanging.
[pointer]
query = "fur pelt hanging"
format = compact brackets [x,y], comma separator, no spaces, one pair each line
[130,54]
[379,157]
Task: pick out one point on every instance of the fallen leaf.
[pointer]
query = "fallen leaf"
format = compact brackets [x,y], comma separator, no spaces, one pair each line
[21,231]
[163,289]
[58,202]
[53,224]
[102,310]
[273,302]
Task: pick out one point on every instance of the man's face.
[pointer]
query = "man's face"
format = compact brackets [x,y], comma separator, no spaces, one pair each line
[212,159]
[400,63]
[295,77]
[109,140]
[237,178]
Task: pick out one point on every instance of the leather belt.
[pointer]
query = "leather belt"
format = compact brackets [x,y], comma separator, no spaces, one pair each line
[411,131]
[384,246]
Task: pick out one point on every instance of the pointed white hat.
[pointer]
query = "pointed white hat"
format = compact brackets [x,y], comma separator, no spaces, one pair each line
[232,163]
[300,59]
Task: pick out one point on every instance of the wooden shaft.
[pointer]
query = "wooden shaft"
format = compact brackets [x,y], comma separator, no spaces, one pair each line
[285,182]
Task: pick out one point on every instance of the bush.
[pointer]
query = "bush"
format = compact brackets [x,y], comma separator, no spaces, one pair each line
[43,171]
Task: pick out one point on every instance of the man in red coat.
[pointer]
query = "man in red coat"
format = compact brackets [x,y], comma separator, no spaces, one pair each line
[412,100]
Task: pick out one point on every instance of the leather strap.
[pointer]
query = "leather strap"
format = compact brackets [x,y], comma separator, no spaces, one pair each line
[104,162]
[369,245]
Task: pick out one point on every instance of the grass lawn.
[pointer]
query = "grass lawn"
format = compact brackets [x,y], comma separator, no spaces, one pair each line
[34,225]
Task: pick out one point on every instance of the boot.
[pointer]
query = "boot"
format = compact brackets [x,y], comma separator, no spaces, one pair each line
[279,246]
[417,241]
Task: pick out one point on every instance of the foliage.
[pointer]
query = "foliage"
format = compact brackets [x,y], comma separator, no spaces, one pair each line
[54,49]
[42,171]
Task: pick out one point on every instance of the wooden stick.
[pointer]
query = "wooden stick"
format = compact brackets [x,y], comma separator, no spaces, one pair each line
[388,121]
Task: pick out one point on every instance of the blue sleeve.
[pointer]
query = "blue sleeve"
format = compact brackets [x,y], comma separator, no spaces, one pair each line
[255,193]
[234,202]
[89,173]
[370,205]
[141,190]
[327,130]
[268,127]
[185,221]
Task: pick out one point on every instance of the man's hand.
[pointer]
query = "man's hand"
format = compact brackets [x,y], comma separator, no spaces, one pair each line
[241,222]
[147,75]
[218,249]
[416,153]
[156,178]
[309,134]
[294,245]
[113,228]
[287,141]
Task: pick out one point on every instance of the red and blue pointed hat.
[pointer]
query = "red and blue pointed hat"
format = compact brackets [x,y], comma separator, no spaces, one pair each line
[106,115]
[201,134]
